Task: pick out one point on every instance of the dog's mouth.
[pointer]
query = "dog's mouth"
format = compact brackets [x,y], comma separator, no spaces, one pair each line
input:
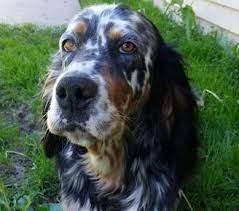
[79,135]
[76,132]
[84,132]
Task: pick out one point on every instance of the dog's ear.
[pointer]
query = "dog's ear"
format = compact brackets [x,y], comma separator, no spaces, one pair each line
[170,84]
[52,144]
[168,119]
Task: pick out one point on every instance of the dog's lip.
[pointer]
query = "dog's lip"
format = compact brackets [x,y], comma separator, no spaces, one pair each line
[66,126]
[72,126]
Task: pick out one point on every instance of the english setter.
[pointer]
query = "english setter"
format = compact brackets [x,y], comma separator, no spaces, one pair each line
[120,114]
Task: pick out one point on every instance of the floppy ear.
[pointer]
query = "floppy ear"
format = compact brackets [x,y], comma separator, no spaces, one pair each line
[178,110]
[52,144]
[168,119]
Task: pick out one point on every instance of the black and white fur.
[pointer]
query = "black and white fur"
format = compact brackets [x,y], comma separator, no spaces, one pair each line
[156,131]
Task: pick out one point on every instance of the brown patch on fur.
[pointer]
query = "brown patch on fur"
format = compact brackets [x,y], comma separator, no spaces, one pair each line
[105,161]
[114,33]
[80,27]
[93,149]
[118,90]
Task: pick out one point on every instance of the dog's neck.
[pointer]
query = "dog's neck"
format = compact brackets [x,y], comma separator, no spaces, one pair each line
[105,161]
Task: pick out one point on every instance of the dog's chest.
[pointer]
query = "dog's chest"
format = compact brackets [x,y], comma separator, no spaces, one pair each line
[81,191]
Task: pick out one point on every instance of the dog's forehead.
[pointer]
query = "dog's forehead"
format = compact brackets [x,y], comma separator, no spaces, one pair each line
[105,17]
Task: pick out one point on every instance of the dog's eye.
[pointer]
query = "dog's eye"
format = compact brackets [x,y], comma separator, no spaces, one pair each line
[127,47]
[69,46]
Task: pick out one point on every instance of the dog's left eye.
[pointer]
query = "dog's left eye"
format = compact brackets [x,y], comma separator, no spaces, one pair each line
[127,47]
[69,45]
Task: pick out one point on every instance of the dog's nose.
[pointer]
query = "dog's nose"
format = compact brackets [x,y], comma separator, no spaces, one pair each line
[75,92]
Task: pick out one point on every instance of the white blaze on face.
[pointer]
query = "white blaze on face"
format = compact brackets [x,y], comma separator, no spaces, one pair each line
[148,62]
[133,81]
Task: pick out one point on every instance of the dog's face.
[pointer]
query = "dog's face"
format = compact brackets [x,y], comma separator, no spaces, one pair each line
[106,58]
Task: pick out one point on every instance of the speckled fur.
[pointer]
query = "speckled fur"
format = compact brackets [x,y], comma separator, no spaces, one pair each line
[142,143]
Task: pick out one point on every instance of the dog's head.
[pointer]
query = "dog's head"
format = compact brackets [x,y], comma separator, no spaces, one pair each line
[111,62]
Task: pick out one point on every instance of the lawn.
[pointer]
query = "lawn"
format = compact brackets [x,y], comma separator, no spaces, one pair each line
[27,178]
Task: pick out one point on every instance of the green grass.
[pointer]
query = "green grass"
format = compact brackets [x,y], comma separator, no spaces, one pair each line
[24,56]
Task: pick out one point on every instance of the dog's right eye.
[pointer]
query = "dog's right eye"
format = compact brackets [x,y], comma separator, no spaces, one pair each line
[127,48]
[69,46]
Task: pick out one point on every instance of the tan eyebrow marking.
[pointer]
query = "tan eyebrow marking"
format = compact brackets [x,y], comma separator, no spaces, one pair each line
[114,33]
[80,27]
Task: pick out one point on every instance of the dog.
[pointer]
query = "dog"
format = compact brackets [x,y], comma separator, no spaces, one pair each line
[121,116]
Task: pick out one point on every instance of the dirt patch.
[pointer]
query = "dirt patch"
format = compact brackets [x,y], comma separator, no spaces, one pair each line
[23,116]
[26,119]
[14,172]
